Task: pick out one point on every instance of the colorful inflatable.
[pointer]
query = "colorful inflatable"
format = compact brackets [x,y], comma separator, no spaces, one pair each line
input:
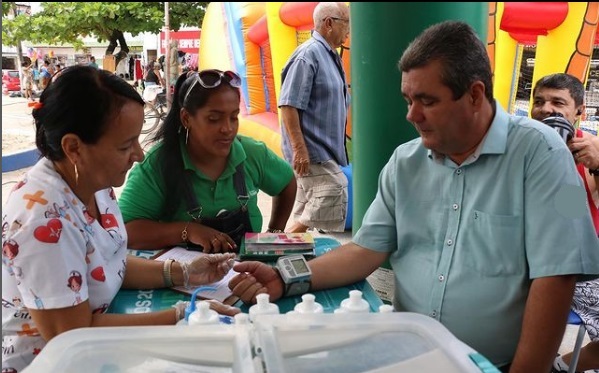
[255,40]
[564,34]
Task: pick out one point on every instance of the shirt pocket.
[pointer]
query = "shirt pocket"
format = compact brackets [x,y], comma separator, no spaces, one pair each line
[329,203]
[494,244]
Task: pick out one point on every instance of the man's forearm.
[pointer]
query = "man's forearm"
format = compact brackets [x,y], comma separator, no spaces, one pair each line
[291,121]
[544,323]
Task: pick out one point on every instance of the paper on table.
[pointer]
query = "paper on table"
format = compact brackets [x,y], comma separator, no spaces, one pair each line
[220,289]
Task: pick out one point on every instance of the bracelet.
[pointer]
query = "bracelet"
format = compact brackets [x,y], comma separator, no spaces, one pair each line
[166,273]
[272,230]
[184,234]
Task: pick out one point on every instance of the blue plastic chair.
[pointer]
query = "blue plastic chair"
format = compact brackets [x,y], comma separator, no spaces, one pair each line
[574,319]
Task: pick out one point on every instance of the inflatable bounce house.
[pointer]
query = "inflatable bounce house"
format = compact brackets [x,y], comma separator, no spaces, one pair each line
[560,37]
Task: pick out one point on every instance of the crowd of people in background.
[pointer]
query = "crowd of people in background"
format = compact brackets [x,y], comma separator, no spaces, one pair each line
[37,73]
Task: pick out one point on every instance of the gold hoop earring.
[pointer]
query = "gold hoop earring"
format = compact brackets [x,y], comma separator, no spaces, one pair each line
[186,135]
[76,175]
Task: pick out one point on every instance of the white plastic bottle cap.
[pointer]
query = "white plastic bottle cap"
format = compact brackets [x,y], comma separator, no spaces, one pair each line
[386,308]
[203,315]
[308,305]
[242,319]
[263,307]
[355,303]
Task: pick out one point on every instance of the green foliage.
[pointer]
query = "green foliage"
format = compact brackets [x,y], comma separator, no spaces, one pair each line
[66,22]
[6,8]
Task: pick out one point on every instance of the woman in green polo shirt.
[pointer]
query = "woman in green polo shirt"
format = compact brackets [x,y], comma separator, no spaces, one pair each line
[199,183]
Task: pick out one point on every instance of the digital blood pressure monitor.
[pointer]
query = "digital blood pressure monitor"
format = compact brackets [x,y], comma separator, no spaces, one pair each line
[296,274]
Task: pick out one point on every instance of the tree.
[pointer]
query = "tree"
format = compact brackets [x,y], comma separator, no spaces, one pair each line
[67,22]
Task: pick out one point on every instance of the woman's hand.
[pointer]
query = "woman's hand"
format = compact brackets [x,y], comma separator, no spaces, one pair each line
[207,269]
[211,240]
[220,308]
[255,278]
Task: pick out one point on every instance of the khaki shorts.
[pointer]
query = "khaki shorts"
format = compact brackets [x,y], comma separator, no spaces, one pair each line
[321,199]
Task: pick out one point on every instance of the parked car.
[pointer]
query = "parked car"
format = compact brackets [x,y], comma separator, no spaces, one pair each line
[10,81]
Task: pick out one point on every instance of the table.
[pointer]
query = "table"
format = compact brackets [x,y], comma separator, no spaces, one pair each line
[141,301]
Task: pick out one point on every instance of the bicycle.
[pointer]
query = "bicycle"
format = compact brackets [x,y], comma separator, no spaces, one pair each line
[155,109]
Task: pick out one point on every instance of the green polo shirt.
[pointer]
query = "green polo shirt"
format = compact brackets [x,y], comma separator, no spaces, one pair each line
[145,193]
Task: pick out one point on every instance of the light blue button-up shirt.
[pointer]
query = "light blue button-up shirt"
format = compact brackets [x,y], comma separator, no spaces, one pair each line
[467,240]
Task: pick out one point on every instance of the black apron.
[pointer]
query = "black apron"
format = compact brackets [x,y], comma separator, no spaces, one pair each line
[234,223]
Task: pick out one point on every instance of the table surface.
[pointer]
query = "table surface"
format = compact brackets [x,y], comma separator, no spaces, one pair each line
[140,301]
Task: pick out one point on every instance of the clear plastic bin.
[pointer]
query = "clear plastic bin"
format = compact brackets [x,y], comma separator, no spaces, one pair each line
[148,349]
[294,343]
[357,343]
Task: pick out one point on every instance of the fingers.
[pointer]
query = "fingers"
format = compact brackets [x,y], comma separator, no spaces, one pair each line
[222,308]
[221,243]
[248,266]
[246,287]
[301,166]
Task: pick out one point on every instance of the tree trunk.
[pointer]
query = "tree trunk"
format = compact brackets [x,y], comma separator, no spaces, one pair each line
[117,37]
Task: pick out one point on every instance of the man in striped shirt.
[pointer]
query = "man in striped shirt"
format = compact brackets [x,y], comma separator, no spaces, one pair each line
[313,105]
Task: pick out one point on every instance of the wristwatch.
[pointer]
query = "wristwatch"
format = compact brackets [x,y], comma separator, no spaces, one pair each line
[295,273]
[594,172]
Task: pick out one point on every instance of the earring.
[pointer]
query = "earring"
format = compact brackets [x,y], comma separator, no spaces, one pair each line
[186,135]
[76,175]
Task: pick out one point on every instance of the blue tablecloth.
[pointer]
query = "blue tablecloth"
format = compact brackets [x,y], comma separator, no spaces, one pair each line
[139,301]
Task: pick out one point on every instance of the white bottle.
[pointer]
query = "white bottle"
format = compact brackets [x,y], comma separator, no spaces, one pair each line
[354,304]
[386,308]
[308,305]
[203,315]
[242,319]
[263,307]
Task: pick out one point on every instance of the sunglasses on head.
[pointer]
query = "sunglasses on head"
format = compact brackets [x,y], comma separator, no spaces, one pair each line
[213,78]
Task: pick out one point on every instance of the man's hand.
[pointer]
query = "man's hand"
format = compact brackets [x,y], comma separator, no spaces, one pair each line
[586,150]
[255,278]
[301,161]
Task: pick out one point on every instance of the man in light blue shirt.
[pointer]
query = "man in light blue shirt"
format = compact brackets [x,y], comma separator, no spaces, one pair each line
[483,218]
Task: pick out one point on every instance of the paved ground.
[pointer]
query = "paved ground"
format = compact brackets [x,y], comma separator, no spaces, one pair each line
[18,134]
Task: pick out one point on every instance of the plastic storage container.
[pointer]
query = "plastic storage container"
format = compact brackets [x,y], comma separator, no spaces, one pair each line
[364,342]
[298,343]
[148,349]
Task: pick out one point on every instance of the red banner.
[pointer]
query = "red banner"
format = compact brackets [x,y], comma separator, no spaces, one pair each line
[188,41]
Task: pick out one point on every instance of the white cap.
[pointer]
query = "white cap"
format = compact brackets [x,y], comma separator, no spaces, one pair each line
[203,315]
[263,307]
[355,303]
[386,308]
[308,305]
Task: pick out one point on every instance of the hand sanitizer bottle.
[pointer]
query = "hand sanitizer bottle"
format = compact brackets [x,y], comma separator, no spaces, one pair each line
[263,307]
[354,304]
[203,315]
[308,305]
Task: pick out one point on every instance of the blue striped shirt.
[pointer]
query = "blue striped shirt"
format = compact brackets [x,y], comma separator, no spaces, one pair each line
[313,82]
